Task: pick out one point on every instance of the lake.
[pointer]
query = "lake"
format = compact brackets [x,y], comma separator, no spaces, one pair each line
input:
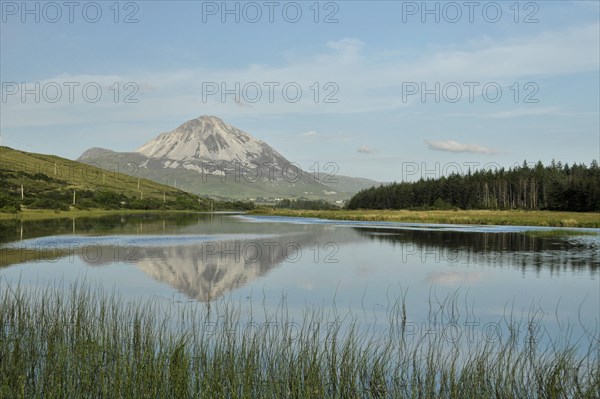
[482,278]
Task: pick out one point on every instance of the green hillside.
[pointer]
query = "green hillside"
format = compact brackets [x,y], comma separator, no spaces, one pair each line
[230,187]
[38,181]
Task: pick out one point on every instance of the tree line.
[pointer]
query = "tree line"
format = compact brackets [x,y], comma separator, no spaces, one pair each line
[302,203]
[556,187]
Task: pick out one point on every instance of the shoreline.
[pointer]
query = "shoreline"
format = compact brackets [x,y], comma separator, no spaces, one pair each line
[479,217]
[45,214]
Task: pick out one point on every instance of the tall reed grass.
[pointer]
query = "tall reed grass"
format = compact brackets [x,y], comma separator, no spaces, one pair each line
[89,343]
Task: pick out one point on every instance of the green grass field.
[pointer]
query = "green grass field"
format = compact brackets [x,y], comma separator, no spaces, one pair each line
[486,217]
[75,175]
[34,182]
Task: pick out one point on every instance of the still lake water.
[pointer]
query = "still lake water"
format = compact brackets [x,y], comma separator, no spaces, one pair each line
[358,268]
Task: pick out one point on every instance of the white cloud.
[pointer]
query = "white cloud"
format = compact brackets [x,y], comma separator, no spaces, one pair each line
[241,103]
[310,133]
[359,82]
[524,112]
[346,44]
[349,49]
[364,149]
[512,113]
[453,146]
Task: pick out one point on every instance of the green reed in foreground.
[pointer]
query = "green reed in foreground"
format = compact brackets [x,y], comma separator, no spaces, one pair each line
[90,344]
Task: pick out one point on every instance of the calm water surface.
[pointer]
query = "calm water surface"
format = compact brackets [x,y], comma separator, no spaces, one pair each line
[353,267]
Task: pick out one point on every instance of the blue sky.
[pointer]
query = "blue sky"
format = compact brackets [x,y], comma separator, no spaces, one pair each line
[369,64]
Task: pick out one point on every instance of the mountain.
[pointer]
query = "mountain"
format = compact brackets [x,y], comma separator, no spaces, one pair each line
[207,156]
[210,139]
[346,184]
[210,146]
[93,153]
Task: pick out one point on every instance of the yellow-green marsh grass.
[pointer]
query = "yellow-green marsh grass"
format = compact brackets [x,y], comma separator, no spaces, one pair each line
[485,217]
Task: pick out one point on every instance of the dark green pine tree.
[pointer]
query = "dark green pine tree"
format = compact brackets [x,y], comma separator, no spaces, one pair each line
[558,187]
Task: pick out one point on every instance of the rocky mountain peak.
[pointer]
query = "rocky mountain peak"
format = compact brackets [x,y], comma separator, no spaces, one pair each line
[208,138]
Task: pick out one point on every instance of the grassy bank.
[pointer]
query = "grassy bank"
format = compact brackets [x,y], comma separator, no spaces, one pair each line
[514,218]
[42,214]
[39,181]
[90,344]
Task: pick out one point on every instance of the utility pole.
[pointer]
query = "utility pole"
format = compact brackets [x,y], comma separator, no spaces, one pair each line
[165,192]
[138,183]
[22,192]
[73,197]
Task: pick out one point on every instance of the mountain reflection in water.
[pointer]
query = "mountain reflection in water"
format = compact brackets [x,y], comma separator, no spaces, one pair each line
[207,256]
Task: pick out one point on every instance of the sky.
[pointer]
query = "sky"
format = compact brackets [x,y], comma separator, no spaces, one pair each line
[389,90]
